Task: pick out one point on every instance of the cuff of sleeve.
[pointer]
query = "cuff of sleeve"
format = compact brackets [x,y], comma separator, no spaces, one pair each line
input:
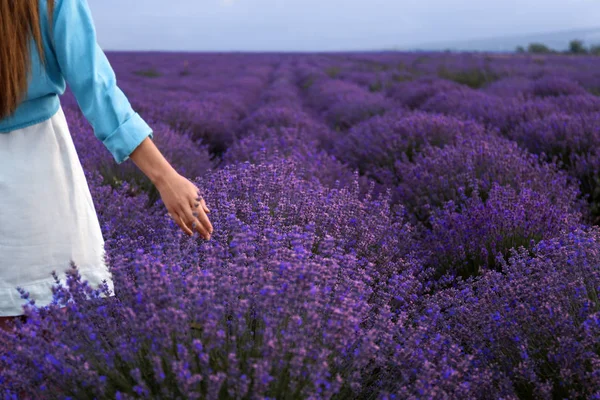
[127,137]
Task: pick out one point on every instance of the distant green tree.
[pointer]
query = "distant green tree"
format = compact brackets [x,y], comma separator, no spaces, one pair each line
[520,49]
[595,49]
[576,47]
[538,48]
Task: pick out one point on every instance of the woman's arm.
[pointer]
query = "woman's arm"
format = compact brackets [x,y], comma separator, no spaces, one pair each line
[152,163]
[92,80]
[180,195]
[126,135]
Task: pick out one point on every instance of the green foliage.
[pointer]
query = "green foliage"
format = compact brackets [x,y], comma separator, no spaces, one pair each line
[333,71]
[576,47]
[380,67]
[472,77]
[308,82]
[420,60]
[376,86]
[595,50]
[149,73]
[115,174]
[401,77]
[590,186]
[538,48]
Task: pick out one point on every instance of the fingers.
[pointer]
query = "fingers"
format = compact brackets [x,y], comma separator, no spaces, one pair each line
[203,203]
[203,218]
[196,225]
[200,199]
[194,216]
[182,225]
[179,221]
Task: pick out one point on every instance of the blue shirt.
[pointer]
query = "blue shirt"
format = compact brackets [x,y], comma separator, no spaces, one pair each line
[73,55]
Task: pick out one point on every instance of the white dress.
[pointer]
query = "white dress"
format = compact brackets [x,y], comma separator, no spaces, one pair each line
[47,216]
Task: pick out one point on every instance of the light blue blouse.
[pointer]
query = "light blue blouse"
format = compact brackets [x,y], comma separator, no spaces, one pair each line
[73,54]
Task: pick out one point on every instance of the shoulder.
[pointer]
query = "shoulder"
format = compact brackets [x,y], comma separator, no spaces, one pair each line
[65,3]
[67,8]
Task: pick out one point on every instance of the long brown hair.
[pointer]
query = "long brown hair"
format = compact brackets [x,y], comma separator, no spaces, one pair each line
[19,22]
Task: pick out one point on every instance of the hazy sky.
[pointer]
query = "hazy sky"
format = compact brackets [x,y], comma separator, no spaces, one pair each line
[325,25]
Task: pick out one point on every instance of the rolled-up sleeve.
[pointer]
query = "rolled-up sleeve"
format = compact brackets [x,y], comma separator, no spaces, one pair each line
[92,80]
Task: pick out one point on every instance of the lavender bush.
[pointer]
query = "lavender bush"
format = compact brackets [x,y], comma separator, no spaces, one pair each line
[475,164]
[538,321]
[413,94]
[573,140]
[463,240]
[344,104]
[381,141]
[292,143]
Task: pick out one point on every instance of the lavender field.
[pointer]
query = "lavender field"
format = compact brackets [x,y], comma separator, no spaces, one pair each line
[386,226]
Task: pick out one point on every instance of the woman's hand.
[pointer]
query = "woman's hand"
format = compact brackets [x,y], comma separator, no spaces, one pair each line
[182,199]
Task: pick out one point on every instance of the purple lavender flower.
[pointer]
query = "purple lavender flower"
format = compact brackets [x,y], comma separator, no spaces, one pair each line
[381,141]
[379,233]
[537,321]
[344,104]
[467,238]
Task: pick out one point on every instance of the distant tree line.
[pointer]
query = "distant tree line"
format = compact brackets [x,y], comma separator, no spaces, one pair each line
[576,46]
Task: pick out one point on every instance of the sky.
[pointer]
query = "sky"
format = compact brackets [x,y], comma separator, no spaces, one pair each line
[325,25]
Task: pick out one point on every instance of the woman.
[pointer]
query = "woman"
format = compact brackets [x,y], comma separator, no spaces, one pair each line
[47,217]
